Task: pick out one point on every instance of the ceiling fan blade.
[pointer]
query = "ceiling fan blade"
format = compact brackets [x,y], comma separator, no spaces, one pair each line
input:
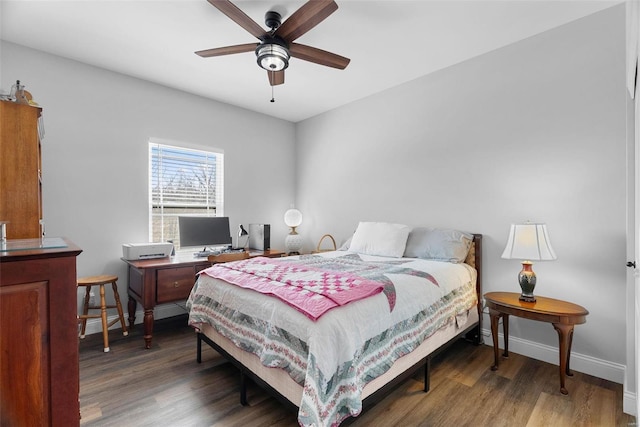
[227,50]
[318,56]
[308,16]
[276,77]
[238,16]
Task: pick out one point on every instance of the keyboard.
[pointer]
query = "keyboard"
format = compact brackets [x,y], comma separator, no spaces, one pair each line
[204,254]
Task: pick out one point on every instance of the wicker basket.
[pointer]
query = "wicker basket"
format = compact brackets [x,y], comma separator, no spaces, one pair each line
[333,241]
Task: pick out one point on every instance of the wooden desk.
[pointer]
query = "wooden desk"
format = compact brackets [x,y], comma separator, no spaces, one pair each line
[561,314]
[163,280]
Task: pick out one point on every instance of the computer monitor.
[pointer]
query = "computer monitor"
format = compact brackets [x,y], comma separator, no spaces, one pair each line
[204,231]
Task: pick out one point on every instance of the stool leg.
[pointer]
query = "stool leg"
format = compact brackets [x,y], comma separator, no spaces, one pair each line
[105,326]
[119,307]
[85,310]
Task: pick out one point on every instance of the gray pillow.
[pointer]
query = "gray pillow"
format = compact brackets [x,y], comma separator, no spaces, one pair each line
[438,244]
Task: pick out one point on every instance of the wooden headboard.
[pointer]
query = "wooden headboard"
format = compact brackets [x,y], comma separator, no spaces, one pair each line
[474,259]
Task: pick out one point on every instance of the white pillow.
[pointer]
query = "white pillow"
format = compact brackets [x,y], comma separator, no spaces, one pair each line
[380,238]
[345,245]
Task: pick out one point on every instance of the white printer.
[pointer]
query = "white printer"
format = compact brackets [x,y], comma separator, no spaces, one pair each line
[134,251]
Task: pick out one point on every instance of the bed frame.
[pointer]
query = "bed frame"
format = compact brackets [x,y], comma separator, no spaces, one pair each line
[472,333]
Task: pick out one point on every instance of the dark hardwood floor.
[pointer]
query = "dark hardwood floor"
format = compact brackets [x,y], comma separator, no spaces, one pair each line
[164,386]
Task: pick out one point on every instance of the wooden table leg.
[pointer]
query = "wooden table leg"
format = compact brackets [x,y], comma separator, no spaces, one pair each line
[148,327]
[505,331]
[495,318]
[568,371]
[132,312]
[565,333]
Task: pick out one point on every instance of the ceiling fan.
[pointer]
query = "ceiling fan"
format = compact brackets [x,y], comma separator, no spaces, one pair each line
[277,45]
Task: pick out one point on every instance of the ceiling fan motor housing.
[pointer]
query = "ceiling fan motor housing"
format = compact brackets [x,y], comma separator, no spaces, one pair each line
[273,19]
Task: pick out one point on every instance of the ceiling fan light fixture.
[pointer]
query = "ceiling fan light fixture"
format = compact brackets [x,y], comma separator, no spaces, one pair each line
[272,56]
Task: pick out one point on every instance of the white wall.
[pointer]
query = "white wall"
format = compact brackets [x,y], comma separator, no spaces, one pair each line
[533,131]
[95,154]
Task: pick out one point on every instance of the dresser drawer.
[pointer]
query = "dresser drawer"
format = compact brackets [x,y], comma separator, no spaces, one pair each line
[174,283]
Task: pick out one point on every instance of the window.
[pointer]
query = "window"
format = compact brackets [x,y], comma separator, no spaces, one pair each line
[182,181]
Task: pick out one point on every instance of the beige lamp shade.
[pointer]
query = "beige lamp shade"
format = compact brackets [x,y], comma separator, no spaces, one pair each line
[529,242]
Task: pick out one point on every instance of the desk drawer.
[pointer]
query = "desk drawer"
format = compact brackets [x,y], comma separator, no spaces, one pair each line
[175,283]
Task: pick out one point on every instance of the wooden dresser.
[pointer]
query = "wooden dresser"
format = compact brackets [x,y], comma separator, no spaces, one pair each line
[39,371]
[20,170]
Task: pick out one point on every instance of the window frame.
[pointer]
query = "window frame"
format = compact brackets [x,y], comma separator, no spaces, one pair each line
[217,204]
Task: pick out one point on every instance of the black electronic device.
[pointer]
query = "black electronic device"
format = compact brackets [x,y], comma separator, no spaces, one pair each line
[204,231]
[260,236]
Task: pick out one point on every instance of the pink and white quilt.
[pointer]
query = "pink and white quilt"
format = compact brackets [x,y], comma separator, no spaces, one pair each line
[311,290]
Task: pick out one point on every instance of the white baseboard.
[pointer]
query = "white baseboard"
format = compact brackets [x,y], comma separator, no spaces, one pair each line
[94,326]
[579,362]
[629,403]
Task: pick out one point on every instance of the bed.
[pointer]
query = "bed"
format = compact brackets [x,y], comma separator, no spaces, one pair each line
[329,363]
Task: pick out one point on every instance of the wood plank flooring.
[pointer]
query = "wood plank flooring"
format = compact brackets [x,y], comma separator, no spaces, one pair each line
[164,386]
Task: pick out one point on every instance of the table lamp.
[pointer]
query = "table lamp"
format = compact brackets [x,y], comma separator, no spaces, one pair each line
[528,242]
[242,233]
[293,241]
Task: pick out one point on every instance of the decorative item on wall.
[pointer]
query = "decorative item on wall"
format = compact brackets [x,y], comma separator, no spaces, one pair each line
[242,234]
[528,242]
[293,241]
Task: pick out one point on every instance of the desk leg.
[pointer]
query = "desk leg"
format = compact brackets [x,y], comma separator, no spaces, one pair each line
[495,318]
[565,335]
[132,312]
[505,331]
[568,371]
[148,327]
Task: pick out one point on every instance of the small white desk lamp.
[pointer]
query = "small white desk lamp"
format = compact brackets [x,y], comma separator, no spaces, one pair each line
[242,233]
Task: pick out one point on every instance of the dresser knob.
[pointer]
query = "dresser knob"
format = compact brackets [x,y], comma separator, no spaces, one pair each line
[176,284]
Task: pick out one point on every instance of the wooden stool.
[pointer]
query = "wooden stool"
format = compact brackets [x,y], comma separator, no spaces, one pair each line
[87,282]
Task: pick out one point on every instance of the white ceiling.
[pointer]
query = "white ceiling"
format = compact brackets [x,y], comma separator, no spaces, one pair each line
[389,43]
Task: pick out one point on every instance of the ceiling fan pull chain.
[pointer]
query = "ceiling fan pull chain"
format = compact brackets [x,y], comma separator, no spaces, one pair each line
[272,98]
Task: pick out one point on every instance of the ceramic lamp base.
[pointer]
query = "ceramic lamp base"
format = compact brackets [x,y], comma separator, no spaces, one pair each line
[293,244]
[527,279]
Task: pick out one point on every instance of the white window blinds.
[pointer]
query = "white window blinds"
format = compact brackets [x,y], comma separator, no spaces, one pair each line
[182,181]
